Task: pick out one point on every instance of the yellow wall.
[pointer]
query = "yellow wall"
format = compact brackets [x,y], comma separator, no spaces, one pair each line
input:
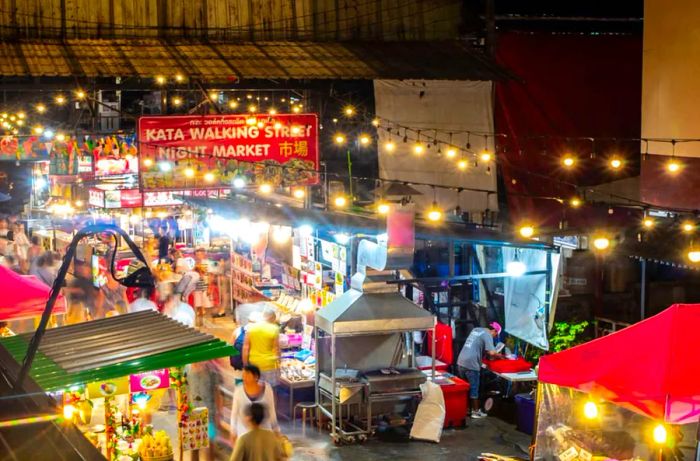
[671,79]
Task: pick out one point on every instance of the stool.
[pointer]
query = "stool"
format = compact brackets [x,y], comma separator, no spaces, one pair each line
[304,406]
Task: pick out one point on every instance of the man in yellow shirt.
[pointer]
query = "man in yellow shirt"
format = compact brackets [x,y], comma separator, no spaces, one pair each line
[262,347]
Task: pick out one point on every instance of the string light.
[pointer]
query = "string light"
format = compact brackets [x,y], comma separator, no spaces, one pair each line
[601,243]
[383,208]
[660,434]
[261,124]
[165,166]
[375,122]
[485,155]
[339,139]
[60,137]
[21,115]
[80,94]
[349,111]
[389,146]
[615,163]
[434,213]
[60,99]
[238,182]
[298,193]
[568,161]
[462,164]
[38,130]
[296,109]
[265,188]
[673,166]
[252,108]
[340,201]
[575,202]
[209,177]
[451,153]
[278,125]
[179,78]
[688,226]
[590,410]
[20,122]
[177,101]
[40,108]
[189,172]
[648,223]
[214,95]
[364,140]
[694,255]
[418,148]
[148,162]
[251,121]
[232,104]
[272,111]
[295,130]
[526,231]
[160,80]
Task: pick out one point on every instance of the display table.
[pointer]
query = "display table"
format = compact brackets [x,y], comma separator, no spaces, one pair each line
[291,387]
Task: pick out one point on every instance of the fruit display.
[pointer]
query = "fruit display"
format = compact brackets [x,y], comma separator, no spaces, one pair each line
[155,447]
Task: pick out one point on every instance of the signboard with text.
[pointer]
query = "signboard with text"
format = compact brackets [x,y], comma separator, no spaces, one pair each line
[150,380]
[209,151]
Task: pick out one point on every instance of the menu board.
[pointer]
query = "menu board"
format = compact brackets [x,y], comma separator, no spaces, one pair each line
[150,380]
[195,430]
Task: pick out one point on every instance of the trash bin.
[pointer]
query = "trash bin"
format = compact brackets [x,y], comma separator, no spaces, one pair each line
[525,409]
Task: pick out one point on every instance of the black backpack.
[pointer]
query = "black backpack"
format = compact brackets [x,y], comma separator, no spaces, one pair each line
[237,359]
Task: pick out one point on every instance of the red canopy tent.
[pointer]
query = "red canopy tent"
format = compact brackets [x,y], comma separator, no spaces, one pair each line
[650,367]
[24,296]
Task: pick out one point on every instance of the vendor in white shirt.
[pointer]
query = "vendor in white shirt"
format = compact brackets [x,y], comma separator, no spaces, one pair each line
[143,302]
[252,390]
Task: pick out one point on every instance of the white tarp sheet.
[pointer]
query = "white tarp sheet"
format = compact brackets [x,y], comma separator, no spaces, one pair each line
[525,297]
[451,106]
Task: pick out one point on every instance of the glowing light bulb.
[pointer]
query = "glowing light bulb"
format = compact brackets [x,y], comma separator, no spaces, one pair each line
[340,201]
[250,121]
[79,203]
[568,161]
[575,202]
[298,193]
[339,139]
[68,411]
[375,122]
[260,124]
[179,78]
[451,153]
[590,410]
[272,111]
[80,94]
[189,172]
[688,226]
[418,149]
[252,108]
[238,182]
[648,223]
[601,243]
[694,256]
[232,104]
[349,111]
[60,100]
[660,434]
[265,188]
[390,146]
[364,140]
[60,137]
[148,162]
[160,80]
[277,125]
[295,130]
[383,208]
[214,95]
[516,268]
[209,177]
[673,166]
[177,101]
[615,163]
[165,166]
[462,164]
[38,129]
[527,231]
[485,156]
[296,109]
[434,214]
[21,115]
[40,108]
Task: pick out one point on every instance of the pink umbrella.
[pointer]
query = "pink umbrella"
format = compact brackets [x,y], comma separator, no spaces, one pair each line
[24,296]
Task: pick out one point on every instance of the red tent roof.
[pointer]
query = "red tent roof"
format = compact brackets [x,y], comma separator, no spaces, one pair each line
[24,296]
[650,367]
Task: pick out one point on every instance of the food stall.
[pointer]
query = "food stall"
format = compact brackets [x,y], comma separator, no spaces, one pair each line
[125,365]
[365,355]
[616,397]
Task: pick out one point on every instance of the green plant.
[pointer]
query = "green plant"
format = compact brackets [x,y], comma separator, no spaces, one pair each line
[564,336]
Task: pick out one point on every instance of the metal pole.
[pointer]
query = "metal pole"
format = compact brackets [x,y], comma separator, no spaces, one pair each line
[333,390]
[643,293]
[350,175]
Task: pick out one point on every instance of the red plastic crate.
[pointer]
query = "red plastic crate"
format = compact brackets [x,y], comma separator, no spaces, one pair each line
[456,402]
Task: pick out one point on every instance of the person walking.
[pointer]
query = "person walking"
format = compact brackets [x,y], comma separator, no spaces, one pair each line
[251,391]
[262,346]
[258,444]
[471,357]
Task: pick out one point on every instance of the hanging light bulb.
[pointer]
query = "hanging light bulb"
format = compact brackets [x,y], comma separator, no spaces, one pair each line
[601,243]
[694,255]
[418,148]
[189,172]
[252,108]
[272,111]
[238,182]
[339,139]
[526,231]
[383,207]
[298,193]
[575,202]
[462,164]
[260,124]
[673,166]
[364,140]
[660,434]
[251,121]
[232,104]
[165,166]
[590,410]
[60,137]
[340,201]
[375,122]
[434,213]
[688,226]
[648,222]
[389,146]
[568,161]
[38,130]
[21,115]
[485,155]
[349,111]
[40,108]
[295,130]
[179,78]
[80,94]
[296,109]
[209,176]
[265,188]
[148,162]
[214,95]
[451,152]
[160,80]
[177,101]
[615,163]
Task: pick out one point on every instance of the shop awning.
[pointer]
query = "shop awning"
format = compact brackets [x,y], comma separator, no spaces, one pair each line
[648,367]
[228,62]
[114,347]
[24,296]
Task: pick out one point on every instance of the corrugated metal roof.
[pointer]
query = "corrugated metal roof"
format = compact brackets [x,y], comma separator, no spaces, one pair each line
[114,347]
[450,60]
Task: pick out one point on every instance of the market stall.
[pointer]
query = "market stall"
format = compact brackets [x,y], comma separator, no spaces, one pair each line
[124,365]
[617,396]
[24,297]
